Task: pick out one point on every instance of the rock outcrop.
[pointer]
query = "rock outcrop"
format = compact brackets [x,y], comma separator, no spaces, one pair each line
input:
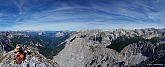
[33,59]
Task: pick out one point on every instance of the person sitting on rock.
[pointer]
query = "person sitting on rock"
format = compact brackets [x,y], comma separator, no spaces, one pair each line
[19,55]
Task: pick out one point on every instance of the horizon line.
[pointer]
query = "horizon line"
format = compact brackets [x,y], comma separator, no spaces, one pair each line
[86,29]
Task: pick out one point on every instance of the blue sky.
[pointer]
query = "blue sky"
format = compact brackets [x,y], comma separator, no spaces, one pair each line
[81,14]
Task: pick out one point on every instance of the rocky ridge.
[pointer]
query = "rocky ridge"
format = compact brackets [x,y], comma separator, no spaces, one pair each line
[89,48]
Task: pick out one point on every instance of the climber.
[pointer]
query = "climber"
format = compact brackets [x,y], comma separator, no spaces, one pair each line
[19,55]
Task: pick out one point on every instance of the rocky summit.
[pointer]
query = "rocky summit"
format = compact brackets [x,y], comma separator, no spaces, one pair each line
[34,59]
[89,48]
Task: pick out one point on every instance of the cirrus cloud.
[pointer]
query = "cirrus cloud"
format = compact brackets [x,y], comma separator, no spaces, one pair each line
[81,14]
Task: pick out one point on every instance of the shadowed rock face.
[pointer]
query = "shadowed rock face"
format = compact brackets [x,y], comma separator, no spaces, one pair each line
[89,48]
[4,43]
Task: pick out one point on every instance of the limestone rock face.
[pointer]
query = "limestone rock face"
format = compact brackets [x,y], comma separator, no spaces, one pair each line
[137,52]
[89,48]
[59,34]
[80,53]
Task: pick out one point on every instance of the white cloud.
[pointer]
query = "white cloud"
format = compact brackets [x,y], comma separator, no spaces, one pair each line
[135,10]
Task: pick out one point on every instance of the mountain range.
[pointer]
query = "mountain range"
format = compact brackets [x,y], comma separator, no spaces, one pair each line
[86,48]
